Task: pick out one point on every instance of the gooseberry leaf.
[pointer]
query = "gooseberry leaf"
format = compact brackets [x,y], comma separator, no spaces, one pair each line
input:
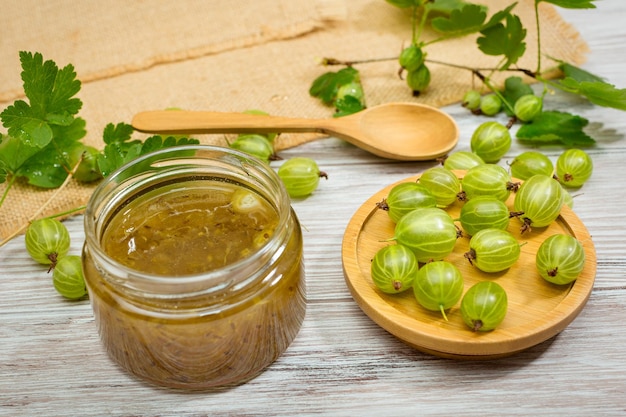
[506,40]
[50,166]
[578,73]
[50,94]
[571,4]
[463,21]
[3,172]
[556,127]
[120,148]
[447,6]
[597,92]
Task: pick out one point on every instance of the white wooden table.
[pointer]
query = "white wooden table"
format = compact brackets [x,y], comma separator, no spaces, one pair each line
[341,363]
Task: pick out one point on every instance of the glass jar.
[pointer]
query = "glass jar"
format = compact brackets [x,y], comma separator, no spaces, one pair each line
[172,305]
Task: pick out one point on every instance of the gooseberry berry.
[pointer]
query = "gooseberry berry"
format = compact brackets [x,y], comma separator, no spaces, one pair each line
[47,241]
[393,269]
[484,212]
[442,183]
[493,250]
[573,167]
[418,80]
[490,105]
[87,170]
[462,160]
[487,179]
[406,197]
[484,306]
[438,286]
[560,259]
[540,199]
[429,232]
[411,58]
[255,145]
[527,107]
[471,100]
[68,278]
[530,163]
[491,141]
[300,175]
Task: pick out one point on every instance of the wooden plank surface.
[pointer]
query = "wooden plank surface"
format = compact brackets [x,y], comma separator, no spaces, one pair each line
[341,363]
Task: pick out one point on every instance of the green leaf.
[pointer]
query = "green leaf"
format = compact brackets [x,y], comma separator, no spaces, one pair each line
[3,172]
[571,4]
[14,152]
[504,40]
[447,6]
[50,166]
[325,86]
[556,127]
[466,20]
[577,73]
[499,16]
[117,133]
[597,92]
[23,125]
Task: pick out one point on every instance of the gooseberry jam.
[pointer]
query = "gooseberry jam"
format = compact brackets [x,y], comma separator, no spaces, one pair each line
[193,263]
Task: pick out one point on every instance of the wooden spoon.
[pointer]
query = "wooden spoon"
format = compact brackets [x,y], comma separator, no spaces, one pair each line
[403,131]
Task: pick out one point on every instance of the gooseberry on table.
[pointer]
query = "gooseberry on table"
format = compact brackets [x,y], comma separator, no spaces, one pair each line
[560,259]
[68,278]
[493,250]
[573,167]
[406,197]
[47,240]
[539,199]
[530,163]
[491,141]
[300,175]
[484,212]
[255,145]
[462,160]
[438,286]
[442,183]
[429,232]
[394,268]
[487,179]
[484,306]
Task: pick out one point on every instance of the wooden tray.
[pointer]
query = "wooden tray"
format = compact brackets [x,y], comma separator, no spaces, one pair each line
[537,309]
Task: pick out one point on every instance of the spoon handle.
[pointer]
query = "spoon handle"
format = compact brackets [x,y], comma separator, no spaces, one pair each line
[182,121]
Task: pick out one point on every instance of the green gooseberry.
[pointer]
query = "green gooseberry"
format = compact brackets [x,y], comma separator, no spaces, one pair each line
[574,167]
[491,141]
[429,232]
[393,269]
[527,107]
[438,286]
[490,105]
[530,163]
[560,259]
[493,250]
[484,306]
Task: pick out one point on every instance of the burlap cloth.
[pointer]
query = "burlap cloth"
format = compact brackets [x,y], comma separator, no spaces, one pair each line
[229,56]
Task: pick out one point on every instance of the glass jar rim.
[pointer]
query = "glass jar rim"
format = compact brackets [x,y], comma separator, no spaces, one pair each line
[167,160]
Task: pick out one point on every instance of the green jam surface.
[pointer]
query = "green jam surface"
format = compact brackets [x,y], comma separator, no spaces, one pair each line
[189,228]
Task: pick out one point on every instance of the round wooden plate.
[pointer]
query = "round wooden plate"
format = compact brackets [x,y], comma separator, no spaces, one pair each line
[537,309]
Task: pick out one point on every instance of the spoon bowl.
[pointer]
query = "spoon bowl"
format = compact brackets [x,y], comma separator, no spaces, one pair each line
[402,131]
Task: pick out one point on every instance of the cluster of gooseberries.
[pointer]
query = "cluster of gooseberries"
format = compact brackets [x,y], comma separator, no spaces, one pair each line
[412,60]
[425,233]
[300,175]
[47,241]
[525,108]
